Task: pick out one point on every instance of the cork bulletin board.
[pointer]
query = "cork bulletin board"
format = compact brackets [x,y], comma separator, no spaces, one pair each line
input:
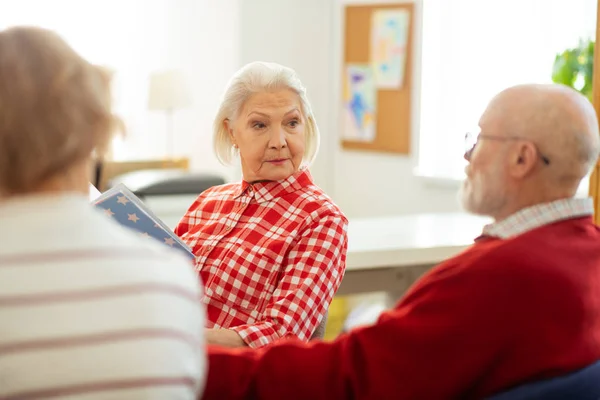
[377,77]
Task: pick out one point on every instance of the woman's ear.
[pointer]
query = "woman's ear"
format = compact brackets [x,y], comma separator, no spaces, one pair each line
[229,128]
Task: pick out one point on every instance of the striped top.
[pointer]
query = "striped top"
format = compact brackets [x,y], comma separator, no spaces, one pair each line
[90,310]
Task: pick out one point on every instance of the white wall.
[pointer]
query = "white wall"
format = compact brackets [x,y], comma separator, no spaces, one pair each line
[209,40]
[307,36]
[137,37]
[370,183]
[205,45]
[296,33]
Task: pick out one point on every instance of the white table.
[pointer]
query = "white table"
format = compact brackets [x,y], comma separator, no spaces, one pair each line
[384,253]
[390,253]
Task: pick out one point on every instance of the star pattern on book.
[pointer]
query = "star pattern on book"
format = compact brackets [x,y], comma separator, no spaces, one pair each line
[125,208]
[122,200]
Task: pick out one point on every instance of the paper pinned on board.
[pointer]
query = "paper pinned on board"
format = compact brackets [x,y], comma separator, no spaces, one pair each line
[360,103]
[389,40]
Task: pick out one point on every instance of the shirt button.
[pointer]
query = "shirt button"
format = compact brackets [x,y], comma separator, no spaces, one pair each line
[209,248]
[228,228]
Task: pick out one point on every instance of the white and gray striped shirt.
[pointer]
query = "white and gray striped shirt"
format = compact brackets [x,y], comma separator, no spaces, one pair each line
[90,310]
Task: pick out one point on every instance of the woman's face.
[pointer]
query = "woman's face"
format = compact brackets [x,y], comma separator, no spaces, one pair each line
[270,135]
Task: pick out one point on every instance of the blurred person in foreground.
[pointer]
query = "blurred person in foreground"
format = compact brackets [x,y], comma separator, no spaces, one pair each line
[271,249]
[521,304]
[87,308]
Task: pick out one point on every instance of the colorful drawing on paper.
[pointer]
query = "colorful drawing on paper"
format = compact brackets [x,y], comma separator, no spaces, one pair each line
[389,38]
[360,97]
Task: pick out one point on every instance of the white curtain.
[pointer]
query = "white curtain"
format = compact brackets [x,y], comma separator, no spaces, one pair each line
[472,49]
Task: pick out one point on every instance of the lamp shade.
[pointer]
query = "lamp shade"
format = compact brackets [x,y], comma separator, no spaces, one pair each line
[168,91]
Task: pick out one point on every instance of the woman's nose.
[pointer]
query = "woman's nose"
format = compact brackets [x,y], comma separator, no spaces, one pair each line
[277,140]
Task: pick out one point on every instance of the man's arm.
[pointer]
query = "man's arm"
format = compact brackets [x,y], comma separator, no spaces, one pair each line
[432,345]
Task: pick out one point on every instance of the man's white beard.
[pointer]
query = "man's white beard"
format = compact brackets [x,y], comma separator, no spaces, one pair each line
[482,195]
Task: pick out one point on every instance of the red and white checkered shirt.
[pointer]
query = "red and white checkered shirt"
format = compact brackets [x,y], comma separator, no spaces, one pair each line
[538,215]
[271,256]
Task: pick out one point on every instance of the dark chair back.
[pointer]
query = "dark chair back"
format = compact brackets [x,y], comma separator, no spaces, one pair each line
[160,182]
[583,384]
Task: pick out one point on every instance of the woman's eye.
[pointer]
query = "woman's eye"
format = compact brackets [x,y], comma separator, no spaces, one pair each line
[294,123]
[258,125]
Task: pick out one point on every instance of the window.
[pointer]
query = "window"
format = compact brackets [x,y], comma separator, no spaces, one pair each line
[472,49]
[129,37]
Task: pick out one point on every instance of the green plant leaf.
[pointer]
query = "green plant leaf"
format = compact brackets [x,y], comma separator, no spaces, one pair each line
[575,66]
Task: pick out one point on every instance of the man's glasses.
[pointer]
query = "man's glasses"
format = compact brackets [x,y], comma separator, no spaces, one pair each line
[472,139]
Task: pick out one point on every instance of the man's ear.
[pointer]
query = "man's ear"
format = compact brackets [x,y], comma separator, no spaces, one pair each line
[523,160]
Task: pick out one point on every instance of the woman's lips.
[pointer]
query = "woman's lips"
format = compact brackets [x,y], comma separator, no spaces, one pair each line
[277,161]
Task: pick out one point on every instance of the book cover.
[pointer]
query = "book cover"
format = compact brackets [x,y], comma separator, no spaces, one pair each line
[125,207]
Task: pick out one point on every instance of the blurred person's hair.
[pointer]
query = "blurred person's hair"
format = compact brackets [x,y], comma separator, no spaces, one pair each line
[55,109]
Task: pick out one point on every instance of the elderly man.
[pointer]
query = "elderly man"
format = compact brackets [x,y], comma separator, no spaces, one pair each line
[522,304]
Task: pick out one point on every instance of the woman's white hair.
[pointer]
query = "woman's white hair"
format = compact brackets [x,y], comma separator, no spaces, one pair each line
[255,78]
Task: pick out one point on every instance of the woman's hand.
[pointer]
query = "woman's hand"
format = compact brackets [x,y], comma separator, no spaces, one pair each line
[224,337]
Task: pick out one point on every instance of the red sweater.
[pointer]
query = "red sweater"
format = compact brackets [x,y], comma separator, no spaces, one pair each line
[501,313]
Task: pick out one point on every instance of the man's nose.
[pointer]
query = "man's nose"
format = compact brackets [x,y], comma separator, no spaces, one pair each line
[467,154]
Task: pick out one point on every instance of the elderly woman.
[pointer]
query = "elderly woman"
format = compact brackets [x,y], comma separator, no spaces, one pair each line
[88,308]
[271,250]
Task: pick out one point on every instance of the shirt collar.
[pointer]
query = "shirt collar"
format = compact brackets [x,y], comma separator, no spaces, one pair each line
[541,214]
[266,191]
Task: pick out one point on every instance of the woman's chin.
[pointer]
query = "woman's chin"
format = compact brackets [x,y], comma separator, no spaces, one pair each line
[278,172]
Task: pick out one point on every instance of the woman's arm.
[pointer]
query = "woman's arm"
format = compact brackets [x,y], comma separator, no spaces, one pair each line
[313,271]
[223,338]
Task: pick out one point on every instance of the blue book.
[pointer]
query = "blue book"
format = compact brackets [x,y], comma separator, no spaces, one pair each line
[127,209]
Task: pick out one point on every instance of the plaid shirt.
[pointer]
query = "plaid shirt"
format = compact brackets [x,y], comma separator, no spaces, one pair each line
[536,216]
[271,256]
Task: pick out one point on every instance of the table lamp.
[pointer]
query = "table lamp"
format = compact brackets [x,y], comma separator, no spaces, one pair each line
[168,92]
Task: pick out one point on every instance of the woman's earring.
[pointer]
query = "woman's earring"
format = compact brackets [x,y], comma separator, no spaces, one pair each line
[235,146]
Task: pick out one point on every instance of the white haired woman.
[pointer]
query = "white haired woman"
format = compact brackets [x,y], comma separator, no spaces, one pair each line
[271,250]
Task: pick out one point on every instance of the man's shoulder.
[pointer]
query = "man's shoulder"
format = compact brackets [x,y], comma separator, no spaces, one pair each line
[482,271]
[542,250]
